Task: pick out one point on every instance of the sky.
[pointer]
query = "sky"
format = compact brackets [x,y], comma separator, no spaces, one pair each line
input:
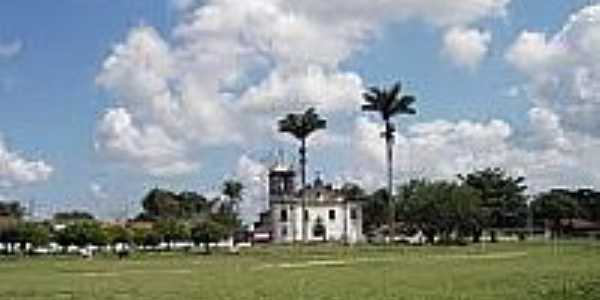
[101,101]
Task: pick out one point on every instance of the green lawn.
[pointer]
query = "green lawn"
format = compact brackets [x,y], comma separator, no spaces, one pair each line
[570,270]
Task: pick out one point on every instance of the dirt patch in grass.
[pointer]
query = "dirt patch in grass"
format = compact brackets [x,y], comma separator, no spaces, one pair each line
[98,274]
[493,256]
[313,263]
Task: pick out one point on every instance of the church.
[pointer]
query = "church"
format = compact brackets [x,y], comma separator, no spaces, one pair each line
[327,216]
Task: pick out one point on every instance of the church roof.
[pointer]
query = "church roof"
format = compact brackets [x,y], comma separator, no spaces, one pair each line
[281,168]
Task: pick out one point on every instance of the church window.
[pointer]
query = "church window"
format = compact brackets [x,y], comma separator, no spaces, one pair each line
[283,216]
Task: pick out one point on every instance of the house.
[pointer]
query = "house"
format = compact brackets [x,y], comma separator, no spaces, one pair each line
[327,215]
[574,227]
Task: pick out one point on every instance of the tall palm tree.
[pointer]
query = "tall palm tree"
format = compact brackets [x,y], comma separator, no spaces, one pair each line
[389,102]
[233,190]
[301,126]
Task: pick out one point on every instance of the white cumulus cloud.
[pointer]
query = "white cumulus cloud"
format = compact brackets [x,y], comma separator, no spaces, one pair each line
[564,70]
[466,47]
[230,65]
[17,170]
[149,148]
[442,149]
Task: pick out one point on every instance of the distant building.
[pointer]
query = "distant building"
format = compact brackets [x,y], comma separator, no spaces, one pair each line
[329,216]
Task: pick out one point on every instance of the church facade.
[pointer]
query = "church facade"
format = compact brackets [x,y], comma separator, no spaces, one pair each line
[327,214]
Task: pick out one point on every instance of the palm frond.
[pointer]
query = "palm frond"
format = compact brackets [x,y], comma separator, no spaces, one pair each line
[370,98]
[377,92]
[402,106]
[301,125]
[395,90]
[370,107]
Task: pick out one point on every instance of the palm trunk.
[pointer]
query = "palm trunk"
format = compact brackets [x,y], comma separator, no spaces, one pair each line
[303,186]
[389,140]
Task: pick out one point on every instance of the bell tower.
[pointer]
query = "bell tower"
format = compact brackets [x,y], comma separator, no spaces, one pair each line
[281,183]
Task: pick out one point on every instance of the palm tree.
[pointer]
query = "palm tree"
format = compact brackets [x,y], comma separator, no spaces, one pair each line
[301,126]
[389,103]
[233,190]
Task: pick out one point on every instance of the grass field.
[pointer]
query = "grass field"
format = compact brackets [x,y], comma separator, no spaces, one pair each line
[569,270]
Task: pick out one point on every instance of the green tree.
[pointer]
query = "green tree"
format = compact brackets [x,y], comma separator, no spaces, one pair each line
[503,200]
[206,232]
[193,205]
[553,207]
[233,189]
[353,191]
[161,204]
[117,234]
[146,237]
[35,234]
[301,126]
[227,218]
[389,102]
[81,234]
[375,210]
[440,208]
[588,201]
[73,216]
[172,231]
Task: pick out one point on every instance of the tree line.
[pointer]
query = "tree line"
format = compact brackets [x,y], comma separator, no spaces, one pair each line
[167,218]
[444,211]
[488,200]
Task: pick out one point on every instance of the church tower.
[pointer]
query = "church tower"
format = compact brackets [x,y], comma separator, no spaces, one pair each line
[281,183]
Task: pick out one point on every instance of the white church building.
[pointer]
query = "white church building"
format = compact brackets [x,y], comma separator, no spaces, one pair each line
[328,216]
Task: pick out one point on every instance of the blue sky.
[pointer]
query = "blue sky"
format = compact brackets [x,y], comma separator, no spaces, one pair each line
[51,104]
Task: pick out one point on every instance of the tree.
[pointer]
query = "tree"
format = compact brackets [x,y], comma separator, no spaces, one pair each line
[172,230]
[193,205]
[389,103]
[206,232]
[146,237]
[588,201]
[554,206]
[81,234]
[37,235]
[227,218]
[503,200]
[301,126]
[163,204]
[441,208]
[353,191]
[117,234]
[233,190]
[375,210]
[73,216]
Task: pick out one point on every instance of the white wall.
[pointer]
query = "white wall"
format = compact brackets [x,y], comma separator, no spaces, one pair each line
[335,229]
